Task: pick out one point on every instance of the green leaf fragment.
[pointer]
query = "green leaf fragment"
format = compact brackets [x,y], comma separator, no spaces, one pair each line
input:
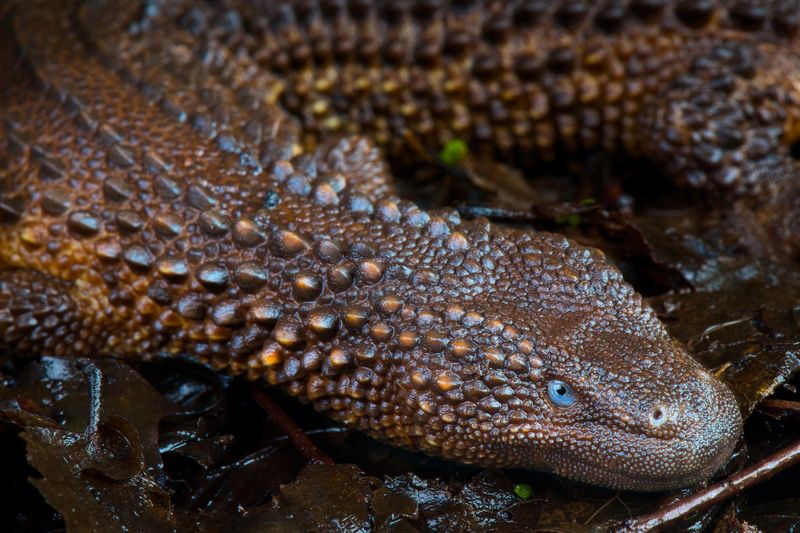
[523,491]
[453,152]
[572,220]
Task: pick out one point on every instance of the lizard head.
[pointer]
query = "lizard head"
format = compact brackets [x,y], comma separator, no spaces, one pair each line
[552,361]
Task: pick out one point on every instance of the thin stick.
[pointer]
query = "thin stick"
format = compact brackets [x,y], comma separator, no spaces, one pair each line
[295,434]
[94,377]
[716,493]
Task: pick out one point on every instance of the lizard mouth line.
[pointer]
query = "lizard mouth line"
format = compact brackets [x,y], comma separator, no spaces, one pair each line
[630,479]
[673,463]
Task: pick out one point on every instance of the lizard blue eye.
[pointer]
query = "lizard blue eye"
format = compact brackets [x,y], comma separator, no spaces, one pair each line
[560,393]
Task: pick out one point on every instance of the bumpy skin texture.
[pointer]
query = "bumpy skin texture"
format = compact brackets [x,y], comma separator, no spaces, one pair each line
[203,180]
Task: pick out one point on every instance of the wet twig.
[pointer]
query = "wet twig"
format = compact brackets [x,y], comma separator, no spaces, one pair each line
[497,213]
[771,405]
[295,434]
[95,380]
[536,213]
[716,493]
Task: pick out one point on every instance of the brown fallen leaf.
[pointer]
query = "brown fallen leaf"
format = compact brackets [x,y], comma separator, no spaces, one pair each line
[96,452]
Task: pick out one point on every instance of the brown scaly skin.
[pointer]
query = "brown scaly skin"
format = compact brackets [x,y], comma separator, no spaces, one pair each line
[180,179]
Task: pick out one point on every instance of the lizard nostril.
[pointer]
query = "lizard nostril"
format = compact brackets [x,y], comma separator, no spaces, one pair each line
[658,415]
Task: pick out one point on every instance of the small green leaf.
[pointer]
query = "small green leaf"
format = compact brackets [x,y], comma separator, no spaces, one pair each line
[453,152]
[573,220]
[587,201]
[523,491]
